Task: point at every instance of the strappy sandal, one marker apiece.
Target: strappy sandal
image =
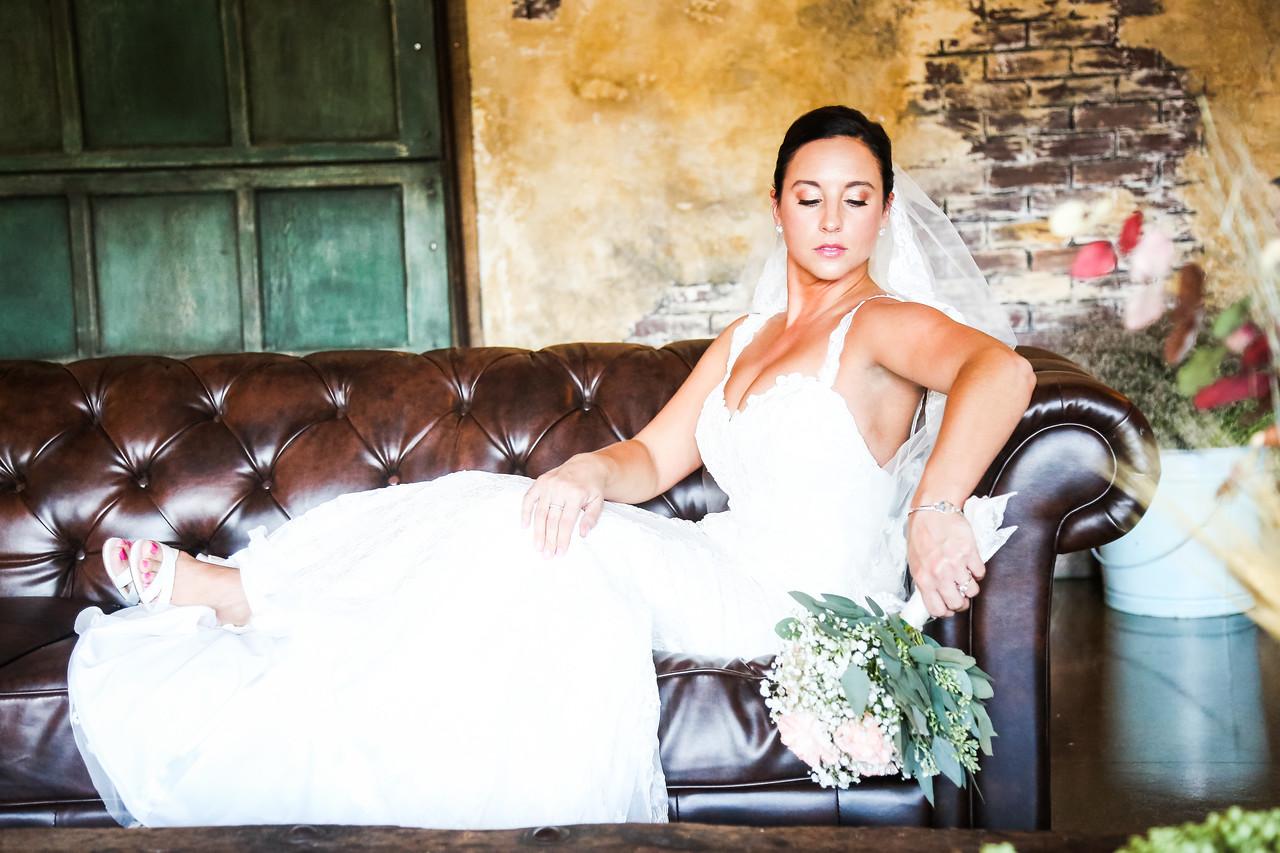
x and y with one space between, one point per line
158 593
121 577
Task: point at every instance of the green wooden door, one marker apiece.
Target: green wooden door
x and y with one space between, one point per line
183 176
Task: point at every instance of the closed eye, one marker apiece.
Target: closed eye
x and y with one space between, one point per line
856 203
810 202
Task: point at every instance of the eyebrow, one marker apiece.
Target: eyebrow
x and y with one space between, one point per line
794 184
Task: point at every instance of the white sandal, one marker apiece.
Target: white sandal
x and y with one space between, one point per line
159 592
123 579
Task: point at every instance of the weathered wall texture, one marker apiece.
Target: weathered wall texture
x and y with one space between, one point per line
623 150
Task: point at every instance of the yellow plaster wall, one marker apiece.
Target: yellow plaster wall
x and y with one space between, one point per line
624 146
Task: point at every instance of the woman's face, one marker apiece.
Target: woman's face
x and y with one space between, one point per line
829 206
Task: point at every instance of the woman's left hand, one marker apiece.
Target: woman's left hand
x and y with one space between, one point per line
943 558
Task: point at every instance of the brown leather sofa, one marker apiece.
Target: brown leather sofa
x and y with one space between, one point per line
197 452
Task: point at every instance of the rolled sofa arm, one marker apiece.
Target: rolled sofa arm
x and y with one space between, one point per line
1078 460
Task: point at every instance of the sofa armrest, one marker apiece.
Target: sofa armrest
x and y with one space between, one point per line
1073 460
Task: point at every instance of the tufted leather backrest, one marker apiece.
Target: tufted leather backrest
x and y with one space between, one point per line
198 452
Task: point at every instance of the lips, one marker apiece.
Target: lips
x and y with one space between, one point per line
831 250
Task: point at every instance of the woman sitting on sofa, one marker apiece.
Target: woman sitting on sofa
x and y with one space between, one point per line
362 663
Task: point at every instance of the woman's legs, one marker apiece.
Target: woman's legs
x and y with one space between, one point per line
197 582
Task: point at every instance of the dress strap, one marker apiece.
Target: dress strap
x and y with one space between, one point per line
742 336
835 346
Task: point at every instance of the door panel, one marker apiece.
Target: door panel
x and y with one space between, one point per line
333 271
37 319
152 73
320 70
167 273
29 118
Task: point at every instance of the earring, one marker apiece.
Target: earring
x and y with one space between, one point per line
779 228
881 232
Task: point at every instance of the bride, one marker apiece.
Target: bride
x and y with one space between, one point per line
382 659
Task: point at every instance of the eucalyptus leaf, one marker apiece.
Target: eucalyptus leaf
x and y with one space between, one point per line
966 686
985 730
923 654
948 762
954 657
1200 369
844 606
787 629
919 720
857 688
981 687
892 666
808 601
1231 319
875 608
926 785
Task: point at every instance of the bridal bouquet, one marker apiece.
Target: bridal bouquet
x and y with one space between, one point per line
856 692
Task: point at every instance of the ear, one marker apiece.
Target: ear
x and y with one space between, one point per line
888 207
773 205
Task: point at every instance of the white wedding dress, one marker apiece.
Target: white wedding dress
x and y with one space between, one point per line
412 660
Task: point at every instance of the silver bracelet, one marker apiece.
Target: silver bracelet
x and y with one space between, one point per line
940 506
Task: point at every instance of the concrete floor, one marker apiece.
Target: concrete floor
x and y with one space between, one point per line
1158 721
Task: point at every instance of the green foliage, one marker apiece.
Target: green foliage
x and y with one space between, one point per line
1232 831
940 691
1133 364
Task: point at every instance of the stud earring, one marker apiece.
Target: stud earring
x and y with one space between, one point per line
779 228
881 232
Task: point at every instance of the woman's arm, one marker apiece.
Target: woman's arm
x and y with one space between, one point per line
988 386
631 471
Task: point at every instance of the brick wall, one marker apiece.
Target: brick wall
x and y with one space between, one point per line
1053 107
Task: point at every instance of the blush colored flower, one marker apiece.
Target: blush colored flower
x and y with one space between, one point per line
802 734
1152 258
863 741
1144 306
1093 260
1069 219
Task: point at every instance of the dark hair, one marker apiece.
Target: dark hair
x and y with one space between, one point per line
829 122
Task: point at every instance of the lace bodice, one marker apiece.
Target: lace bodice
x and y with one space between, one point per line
807 499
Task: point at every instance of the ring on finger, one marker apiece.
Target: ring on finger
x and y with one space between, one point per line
555 506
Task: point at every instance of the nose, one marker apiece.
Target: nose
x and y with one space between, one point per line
830 220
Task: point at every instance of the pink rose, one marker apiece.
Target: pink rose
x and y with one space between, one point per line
864 742
802 734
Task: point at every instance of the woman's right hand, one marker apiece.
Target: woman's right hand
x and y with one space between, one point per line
554 500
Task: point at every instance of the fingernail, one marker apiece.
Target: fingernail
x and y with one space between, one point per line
155 548
124 555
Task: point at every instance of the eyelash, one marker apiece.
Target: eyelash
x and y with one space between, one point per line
812 202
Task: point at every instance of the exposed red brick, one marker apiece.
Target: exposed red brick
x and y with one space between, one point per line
1128 114
1070 31
1028 119
1008 10
985 35
1001 260
1029 174
1181 113
1002 148
979 95
1114 171
940 72
1156 141
1074 145
1053 260
1073 90
1151 83
1019 316
994 206
1093 60
967 122
974 234
1024 64
1137 8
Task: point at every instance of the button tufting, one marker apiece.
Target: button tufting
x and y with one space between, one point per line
266 485
19 486
80 556
393 480
143 482
217 417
